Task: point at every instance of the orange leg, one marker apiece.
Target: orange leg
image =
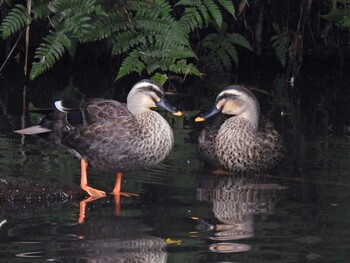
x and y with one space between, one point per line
84 183
118 183
117 193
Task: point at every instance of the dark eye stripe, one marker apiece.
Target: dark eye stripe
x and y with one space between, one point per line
227 96
152 89
159 94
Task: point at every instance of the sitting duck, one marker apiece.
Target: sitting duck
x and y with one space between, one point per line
113 136
238 139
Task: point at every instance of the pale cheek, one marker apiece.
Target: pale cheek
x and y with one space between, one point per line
148 103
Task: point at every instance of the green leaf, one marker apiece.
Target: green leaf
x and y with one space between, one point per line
240 40
49 52
233 54
228 5
160 78
16 19
281 45
214 11
130 63
340 17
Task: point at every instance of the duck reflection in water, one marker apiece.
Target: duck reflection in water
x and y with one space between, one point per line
119 239
112 136
236 200
99 239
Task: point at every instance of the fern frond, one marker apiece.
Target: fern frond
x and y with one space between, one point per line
228 5
123 41
40 11
195 17
340 17
181 67
224 59
82 19
144 29
221 50
71 8
156 27
17 19
134 4
199 12
160 78
234 55
204 14
214 11
189 2
240 40
131 63
232 52
151 59
154 39
191 19
281 45
105 27
49 52
210 41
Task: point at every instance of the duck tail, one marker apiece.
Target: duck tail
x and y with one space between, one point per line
37 129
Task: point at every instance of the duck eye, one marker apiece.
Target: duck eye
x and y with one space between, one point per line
150 88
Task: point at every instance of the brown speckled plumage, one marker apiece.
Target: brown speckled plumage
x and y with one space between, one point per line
239 140
112 136
113 139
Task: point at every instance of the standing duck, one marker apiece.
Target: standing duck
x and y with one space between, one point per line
238 140
113 136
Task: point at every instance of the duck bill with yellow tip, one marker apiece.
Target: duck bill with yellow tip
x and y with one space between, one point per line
163 103
210 113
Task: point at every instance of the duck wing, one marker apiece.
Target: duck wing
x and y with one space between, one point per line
101 111
271 141
108 137
89 111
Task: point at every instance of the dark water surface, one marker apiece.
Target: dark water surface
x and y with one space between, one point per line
184 213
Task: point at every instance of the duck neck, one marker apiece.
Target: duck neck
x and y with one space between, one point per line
142 112
152 123
156 135
252 117
137 106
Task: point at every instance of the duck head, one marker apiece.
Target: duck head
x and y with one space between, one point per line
235 100
146 94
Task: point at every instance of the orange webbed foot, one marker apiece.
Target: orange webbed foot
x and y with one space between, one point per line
84 182
94 192
125 194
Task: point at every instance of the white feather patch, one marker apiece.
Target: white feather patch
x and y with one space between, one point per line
33 130
60 107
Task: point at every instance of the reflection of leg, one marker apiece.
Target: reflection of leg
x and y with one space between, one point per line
117 204
84 182
82 208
